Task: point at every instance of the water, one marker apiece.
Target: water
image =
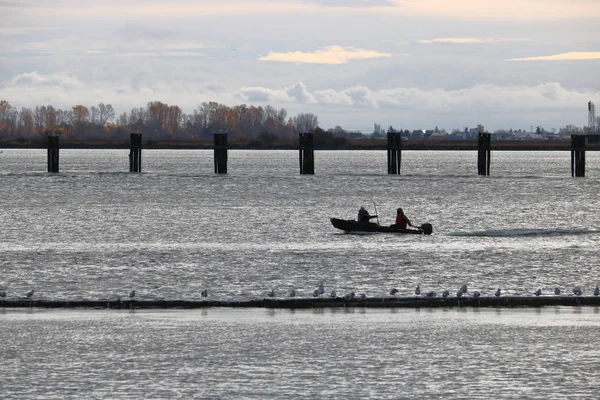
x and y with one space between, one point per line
95 231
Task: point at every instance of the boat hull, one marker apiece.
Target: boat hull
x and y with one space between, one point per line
350 225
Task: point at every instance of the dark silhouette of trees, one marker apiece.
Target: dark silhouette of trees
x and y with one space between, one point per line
157 121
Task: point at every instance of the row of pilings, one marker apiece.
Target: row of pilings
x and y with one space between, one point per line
307 153
315 303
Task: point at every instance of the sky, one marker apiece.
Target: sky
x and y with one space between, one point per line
410 64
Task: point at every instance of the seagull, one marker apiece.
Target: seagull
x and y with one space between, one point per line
476 294
430 294
445 293
463 288
459 294
3 294
393 291
204 293
349 296
320 289
315 293
30 293
333 295
596 292
271 293
292 293
556 291
132 294
362 296
417 290
497 294
538 292
577 291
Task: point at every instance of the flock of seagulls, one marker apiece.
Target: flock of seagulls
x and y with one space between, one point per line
463 291
320 291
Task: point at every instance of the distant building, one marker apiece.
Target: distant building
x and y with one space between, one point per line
417 134
438 136
502 136
528 136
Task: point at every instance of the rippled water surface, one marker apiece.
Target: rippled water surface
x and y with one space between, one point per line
95 231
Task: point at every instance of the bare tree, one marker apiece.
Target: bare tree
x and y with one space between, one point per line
305 122
122 120
281 115
64 117
94 114
106 113
81 113
39 116
26 121
50 118
4 110
138 115
12 120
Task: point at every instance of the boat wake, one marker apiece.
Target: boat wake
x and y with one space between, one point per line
359 233
525 232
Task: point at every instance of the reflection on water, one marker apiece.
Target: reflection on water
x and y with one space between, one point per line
96 232
302 353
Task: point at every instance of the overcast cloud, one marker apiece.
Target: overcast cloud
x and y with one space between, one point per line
407 63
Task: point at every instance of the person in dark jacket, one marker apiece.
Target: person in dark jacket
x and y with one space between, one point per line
402 220
364 216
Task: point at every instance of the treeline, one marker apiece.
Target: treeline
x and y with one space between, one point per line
157 121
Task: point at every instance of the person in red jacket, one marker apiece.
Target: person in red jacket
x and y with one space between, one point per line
402 220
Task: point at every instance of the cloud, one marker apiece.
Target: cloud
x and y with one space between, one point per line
574 55
300 93
505 9
180 9
78 46
295 93
351 3
492 97
466 40
355 107
185 9
329 55
24 30
34 79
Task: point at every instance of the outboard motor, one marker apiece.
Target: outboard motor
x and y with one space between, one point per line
427 228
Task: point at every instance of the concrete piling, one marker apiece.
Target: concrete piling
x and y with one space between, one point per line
53 150
394 152
135 152
578 145
484 153
220 153
307 153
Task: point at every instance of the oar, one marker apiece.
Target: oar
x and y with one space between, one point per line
374 205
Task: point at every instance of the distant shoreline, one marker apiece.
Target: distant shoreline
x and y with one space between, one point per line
369 144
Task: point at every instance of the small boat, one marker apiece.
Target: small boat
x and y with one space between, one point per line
350 225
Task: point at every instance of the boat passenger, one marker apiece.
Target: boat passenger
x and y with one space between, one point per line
364 216
402 220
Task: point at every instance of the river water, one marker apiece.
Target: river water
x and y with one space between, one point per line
94 231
